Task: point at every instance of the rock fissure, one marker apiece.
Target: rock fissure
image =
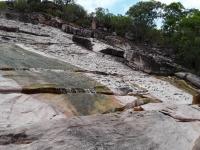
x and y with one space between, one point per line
18 139
178 117
53 90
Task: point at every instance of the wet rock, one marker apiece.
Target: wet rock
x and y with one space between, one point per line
84 42
194 79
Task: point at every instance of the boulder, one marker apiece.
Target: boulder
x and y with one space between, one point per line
194 79
84 42
152 60
76 30
149 63
114 52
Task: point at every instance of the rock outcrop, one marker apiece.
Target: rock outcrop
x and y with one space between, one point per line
113 52
147 59
194 79
126 131
58 83
85 42
76 31
150 61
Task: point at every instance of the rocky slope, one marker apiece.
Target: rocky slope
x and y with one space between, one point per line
48 76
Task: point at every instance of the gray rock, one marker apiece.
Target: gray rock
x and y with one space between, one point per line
194 79
85 42
113 52
197 144
9 29
150 61
136 131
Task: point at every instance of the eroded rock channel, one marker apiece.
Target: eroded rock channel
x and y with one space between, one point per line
57 94
68 92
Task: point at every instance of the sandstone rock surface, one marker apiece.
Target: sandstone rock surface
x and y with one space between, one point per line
47 120
136 131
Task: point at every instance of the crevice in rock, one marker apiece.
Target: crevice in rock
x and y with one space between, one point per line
54 90
20 138
98 72
179 118
78 71
50 43
35 34
113 52
14 69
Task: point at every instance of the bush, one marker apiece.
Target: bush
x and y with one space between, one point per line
3 5
21 5
73 12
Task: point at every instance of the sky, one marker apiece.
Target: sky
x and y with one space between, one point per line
121 6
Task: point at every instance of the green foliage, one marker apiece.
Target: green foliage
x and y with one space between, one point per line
59 2
144 15
21 5
3 5
145 12
103 17
173 13
121 24
114 23
187 39
34 5
74 13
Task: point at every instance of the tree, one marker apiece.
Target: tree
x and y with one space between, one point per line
68 1
34 5
63 2
59 2
187 39
144 15
145 12
120 24
21 5
173 13
103 17
33 1
74 13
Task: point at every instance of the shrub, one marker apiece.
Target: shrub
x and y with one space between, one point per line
21 5
3 5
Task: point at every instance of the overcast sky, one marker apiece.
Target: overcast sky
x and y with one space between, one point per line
121 6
